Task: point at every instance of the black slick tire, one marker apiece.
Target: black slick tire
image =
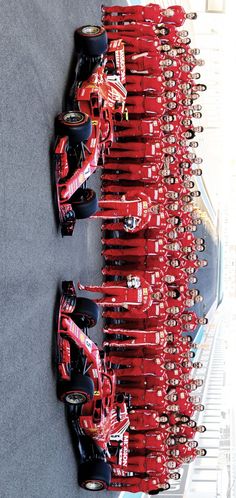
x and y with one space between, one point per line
86 313
91 40
94 475
77 391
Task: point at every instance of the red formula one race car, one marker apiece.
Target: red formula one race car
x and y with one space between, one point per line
87 385
85 130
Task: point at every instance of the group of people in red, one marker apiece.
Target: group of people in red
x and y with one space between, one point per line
150 246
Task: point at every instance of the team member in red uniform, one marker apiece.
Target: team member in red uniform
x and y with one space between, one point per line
175 14
148 441
150 12
146 104
137 247
160 222
191 318
139 366
149 150
187 453
141 44
154 338
145 420
151 464
136 209
153 65
135 292
157 193
134 29
149 127
137 386
147 173
136 83
156 278
114 187
152 317
190 432
189 408
137 484
152 397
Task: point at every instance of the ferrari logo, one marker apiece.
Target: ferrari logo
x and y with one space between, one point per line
94 122
96 393
145 292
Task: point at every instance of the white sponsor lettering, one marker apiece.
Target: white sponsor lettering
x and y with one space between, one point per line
123 456
120 61
140 295
95 373
139 208
157 337
93 143
87 171
88 344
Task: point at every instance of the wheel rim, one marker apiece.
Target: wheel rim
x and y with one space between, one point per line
94 485
90 30
75 398
73 117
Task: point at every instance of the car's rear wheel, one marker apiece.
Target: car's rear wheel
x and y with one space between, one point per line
77 391
74 124
91 40
84 203
86 313
94 475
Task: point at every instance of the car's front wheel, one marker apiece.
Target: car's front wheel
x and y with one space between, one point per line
86 313
94 475
77 391
84 203
74 124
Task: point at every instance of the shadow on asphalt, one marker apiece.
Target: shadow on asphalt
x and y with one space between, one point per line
52 163
66 100
54 353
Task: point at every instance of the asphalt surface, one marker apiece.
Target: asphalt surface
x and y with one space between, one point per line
37 459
